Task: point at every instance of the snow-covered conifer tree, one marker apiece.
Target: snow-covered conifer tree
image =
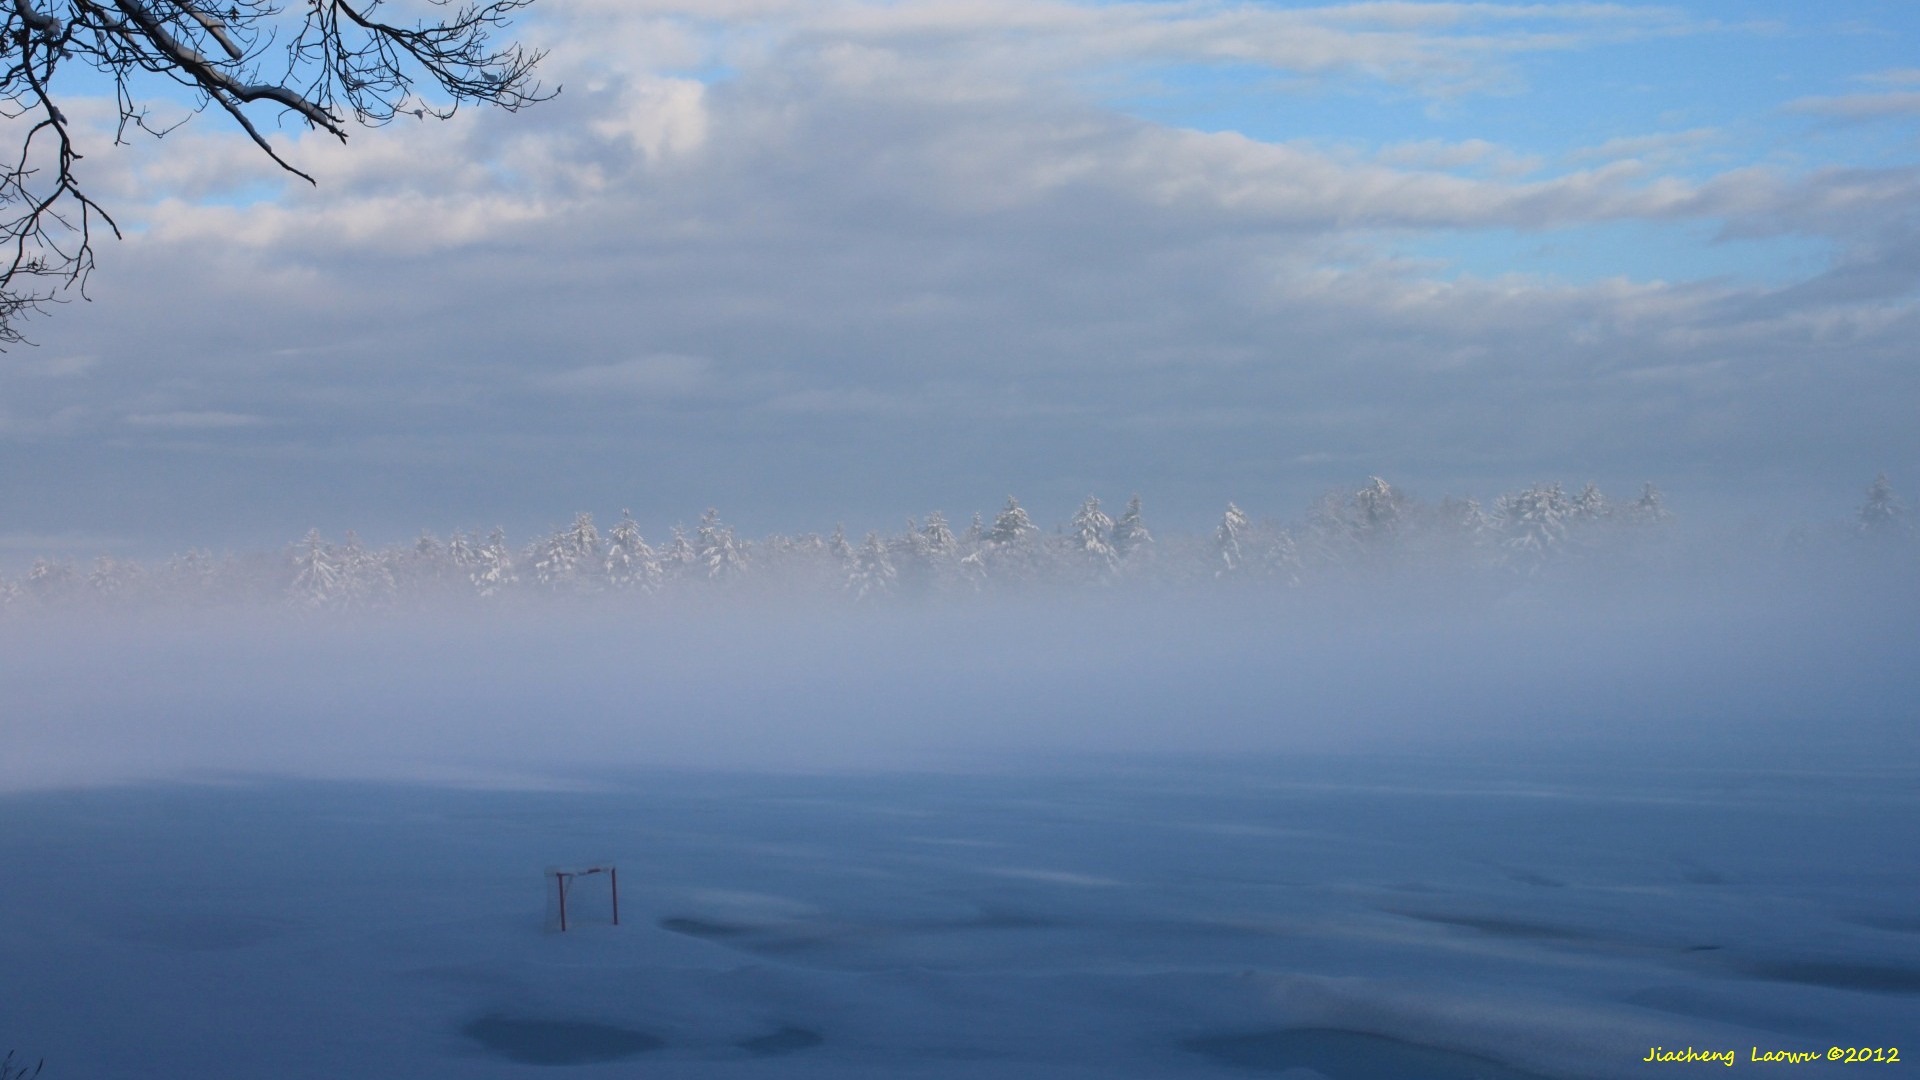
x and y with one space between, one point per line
550 560
975 535
1130 532
104 578
913 544
798 563
1880 514
584 539
718 554
1463 517
630 563
317 577
1459 535
1534 521
677 559
111 577
191 575
494 571
1378 509
570 558
50 580
944 554
1330 536
1010 552
872 573
912 557
1281 559
1226 540
940 539
1012 527
1649 509
367 575
426 566
1589 505
461 552
838 548
971 570
1091 537
427 550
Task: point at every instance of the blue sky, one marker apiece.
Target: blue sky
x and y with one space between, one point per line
846 261
1718 84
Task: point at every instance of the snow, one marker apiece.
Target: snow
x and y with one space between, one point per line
1331 833
1342 916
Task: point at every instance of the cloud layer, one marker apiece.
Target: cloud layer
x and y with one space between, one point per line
849 260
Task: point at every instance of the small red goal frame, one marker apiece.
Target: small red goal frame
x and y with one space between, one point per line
563 882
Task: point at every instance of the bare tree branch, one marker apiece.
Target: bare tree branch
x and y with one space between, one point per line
341 63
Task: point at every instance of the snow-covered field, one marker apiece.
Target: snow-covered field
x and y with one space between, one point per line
1339 835
1353 916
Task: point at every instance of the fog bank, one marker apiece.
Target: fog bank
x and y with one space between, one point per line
1753 669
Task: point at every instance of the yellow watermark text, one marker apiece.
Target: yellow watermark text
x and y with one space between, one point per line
1885 1055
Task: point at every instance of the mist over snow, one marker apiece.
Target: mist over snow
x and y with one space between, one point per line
1362 829
1552 624
996 685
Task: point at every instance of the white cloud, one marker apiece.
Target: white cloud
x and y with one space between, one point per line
660 118
962 102
61 422
854 400
659 375
1438 48
901 241
1894 77
45 543
52 367
1465 154
1663 146
192 420
1861 106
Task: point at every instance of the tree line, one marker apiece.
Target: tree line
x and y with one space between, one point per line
1373 531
